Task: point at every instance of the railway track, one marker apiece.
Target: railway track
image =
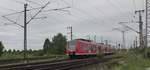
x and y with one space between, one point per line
56 65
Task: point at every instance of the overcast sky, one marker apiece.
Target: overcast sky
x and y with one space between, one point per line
87 17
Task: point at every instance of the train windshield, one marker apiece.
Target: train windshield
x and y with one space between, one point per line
72 45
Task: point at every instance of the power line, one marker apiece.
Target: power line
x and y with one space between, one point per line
126 26
103 14
13 21
33 2
20 2
37 13
134 5
147 30
7 8
71 32
113 5
140 27
123 36
86 13
37 8
140 32
22 11
81 11
118 8
27 22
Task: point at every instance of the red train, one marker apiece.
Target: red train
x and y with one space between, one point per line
80 48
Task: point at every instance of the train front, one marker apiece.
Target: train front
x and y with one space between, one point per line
71 47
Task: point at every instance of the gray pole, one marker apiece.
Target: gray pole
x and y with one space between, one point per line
136 42
101 39
116 45
146 24
123 40
71 33
140 28
25 32
95 38
106 42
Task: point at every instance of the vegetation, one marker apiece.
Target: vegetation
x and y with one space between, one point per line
47 46
1 48
59 43
133 60
53 48
57 46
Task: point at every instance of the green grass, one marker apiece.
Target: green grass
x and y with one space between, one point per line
19 56
132 61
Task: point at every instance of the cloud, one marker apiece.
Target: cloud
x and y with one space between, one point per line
87 17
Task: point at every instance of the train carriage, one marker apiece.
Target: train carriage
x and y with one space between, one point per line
80 48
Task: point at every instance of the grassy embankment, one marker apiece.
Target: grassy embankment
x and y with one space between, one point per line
132 61
32 57
20 56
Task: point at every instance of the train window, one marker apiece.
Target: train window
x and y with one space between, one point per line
93 47
87 47
83 46
72 45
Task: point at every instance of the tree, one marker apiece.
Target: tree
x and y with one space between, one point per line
18 51
9 51
30 51
59 43
14 51
1 48
46 45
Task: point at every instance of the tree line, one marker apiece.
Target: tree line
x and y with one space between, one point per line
54 46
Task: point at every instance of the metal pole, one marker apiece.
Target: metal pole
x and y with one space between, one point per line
123 40
140 28
95 38
25 32
146 31
106 42
101 39
71 33
116 45
136 42
146 24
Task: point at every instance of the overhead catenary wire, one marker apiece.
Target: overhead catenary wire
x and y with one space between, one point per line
103 14
7 9
113 5
134 5
13 22
61 9
122 23
18 17
37 13
20 2
90 15
35 9
33 17
85 13
41 8
33 2
123 36
118 8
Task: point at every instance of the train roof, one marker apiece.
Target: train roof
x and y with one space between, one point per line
85 40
